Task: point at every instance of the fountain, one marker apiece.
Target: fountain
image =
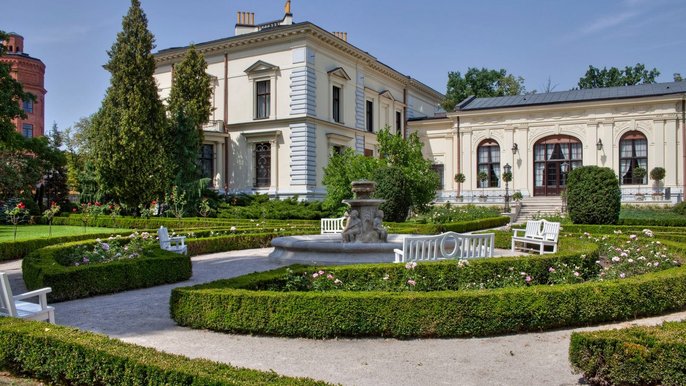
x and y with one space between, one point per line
363 240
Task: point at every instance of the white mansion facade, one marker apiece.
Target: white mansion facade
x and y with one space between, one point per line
287 95
543 136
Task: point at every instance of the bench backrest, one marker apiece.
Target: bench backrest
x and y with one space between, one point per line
7 305
332 225
551 230
449 245
533 229
164 237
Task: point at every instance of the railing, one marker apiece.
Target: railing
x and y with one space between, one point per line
216 126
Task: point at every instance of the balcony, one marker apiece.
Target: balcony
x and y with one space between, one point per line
214 126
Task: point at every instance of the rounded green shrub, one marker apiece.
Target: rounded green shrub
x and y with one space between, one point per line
392 185
593 195
680 208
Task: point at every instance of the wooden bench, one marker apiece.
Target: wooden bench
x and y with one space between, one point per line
449 245
15 306
541 233
332 225
173 244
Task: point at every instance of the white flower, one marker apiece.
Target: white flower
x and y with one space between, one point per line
616 259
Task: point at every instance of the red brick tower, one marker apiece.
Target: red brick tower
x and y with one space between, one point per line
30 72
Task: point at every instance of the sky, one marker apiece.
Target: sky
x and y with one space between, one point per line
539 40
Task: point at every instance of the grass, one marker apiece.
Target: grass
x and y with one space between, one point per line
28 232
648 213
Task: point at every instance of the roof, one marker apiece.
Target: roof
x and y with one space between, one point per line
265 32
583 95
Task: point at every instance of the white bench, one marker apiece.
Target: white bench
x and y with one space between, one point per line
173 244
15 306
332 225
541 233
449 245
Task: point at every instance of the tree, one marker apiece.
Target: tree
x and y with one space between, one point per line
11 94
189 109
613 77
678 77
128 150
481 83
401 164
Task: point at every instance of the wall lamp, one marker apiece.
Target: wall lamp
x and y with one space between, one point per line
515 148
599 144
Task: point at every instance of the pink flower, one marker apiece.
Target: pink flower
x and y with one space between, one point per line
616 259
622 275
329 276
105 246
411 282
315 275
410 265
551 269
321 272
576 273
21 205
528 279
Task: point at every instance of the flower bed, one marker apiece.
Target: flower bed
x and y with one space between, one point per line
65 355
83 269
632 356
446 299
11 250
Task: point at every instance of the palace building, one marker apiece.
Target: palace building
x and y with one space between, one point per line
287 95
30 72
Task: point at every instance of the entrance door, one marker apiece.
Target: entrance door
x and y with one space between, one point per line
551 156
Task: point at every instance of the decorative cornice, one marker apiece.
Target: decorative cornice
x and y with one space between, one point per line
306 30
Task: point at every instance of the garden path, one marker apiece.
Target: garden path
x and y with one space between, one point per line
142 317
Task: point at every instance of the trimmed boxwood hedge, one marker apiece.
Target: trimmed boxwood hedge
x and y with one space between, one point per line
233 306
42 269
183 223
632 356
11 250
65 355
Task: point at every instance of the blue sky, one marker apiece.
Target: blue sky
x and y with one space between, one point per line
535 39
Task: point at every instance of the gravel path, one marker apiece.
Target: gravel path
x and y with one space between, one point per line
142 317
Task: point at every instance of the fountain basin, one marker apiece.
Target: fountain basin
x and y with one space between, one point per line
330 249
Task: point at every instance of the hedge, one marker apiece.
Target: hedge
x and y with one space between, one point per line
65 355
632 356
42 269
234 306
170 222
11 250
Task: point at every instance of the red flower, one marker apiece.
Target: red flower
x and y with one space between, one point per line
153 203
73 210
97 203
21 205
53 203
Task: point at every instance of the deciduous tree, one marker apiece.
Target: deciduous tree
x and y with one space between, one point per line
613 77
481 83
128 149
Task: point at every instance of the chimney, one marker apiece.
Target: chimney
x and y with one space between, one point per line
245 23
245 18
341 35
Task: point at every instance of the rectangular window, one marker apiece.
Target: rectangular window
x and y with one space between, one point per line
368 153
398 122
262 99
336 100
439 170
370 116
27 130
207 161
263 164
337 149
28 106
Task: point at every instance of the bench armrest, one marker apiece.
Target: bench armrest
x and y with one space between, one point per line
177 238
31 294
518 230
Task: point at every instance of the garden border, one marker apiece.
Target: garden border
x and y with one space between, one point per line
68 355
232 306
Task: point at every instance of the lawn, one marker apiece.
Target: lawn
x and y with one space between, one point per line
27 232
649 213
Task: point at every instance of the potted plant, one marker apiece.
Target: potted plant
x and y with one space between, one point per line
638 173
517 196
657 175
483 177
460 179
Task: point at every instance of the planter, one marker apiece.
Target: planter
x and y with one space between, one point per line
459 199
657 197
640 197
483 198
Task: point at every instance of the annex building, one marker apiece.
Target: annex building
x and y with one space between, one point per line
543 136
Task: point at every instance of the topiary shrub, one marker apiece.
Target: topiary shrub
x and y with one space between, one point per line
593 195
393 187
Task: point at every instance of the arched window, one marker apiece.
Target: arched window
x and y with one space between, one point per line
633 153
489 162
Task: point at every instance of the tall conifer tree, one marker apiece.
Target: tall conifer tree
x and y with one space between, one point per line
130 127
189 108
